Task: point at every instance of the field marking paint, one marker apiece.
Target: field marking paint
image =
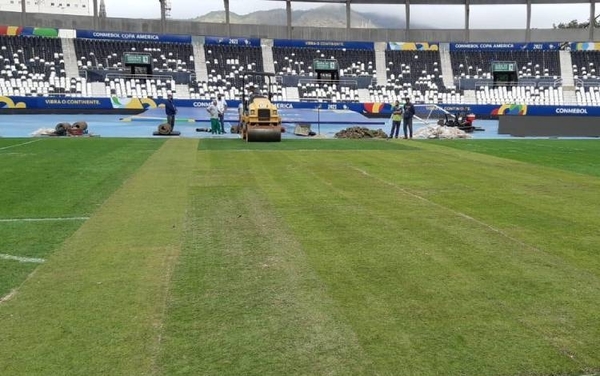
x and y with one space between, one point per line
44 219
8 296
34 260
14 291
21 144
456 212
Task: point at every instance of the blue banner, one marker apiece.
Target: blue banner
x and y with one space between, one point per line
248 42
367 109
357 107
506 46
324 44
69 103
148 37
54 103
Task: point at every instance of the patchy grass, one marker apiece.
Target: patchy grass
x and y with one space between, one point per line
303 144
50 178
98 301
417 259
430 262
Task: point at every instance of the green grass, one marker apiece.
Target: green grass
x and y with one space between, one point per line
98 301
66 177
312 259
572 155
26 239
54 178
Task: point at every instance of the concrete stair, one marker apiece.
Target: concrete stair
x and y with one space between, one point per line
470 97
566 69
98 89
70 57
267 55
292 94
569 97
199 59
446 61
182 91
380 63
364 96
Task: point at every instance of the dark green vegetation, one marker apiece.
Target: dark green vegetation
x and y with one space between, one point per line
419 259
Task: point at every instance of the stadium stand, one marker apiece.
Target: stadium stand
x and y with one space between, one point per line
334 92
520 94
226 65
108 55
356 70
34 66
585 75
170 65
215 86
584 65
415 74
538 73
532 64
140 88
588 95
298 61
399 91
414 67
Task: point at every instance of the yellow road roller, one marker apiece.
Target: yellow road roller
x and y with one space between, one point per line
259 118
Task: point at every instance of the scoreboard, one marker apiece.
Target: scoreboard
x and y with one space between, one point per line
504 66
325 65
136 59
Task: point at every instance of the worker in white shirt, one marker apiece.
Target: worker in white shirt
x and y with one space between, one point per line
222 107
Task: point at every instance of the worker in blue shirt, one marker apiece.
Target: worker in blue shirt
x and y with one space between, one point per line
408 113
170 111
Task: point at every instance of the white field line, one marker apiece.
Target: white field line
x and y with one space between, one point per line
13 292
21 144
44 219
8 297
456 212
22 259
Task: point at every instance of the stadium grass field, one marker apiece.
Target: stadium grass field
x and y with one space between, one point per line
306 257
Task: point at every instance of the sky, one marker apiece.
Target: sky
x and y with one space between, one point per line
482 17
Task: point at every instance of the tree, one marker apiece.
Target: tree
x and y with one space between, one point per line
574 24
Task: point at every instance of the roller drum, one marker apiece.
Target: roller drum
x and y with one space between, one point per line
272 134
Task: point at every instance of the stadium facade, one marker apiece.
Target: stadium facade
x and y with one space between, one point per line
34 18
67 7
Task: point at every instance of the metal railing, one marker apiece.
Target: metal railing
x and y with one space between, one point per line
580 83
339 83
557 82
536 84
111 76
353 84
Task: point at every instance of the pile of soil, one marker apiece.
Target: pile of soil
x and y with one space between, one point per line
360 132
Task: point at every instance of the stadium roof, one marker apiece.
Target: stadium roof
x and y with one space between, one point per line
408 3
437 2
